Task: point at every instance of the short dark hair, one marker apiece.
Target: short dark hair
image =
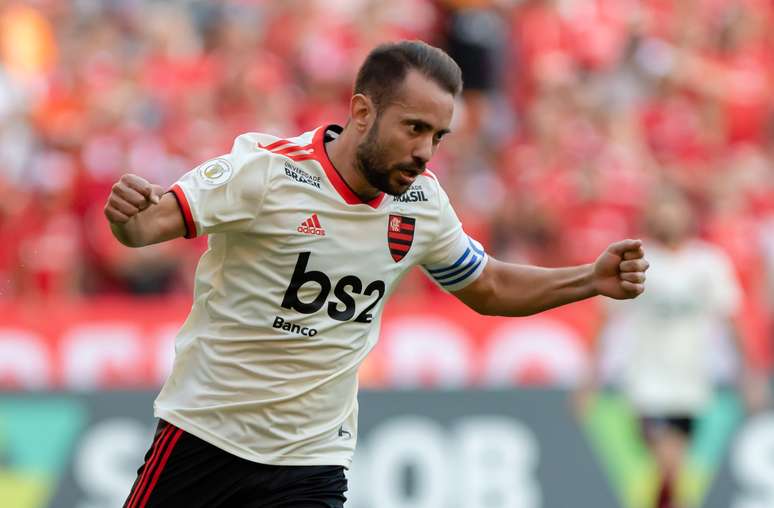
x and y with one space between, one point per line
387 65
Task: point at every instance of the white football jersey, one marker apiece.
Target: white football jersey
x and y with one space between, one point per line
289 295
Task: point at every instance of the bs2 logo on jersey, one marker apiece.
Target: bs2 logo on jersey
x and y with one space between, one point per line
343 306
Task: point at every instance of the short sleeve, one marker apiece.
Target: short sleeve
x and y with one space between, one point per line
224 194
455 259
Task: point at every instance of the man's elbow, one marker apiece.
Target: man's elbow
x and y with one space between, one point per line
483 301
490 302
496 310
485 307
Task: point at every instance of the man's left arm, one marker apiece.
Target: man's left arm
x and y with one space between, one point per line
506 289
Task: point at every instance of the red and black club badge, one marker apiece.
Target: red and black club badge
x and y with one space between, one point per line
400 234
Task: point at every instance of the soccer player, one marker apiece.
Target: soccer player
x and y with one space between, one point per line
308 236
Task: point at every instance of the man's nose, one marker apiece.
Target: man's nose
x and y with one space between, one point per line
423 151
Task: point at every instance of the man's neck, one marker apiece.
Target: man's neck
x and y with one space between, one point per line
342 153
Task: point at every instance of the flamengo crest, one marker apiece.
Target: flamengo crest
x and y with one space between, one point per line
400 234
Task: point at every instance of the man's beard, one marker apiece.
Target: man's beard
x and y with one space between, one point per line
372 162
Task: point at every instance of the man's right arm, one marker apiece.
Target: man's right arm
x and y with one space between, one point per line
140 213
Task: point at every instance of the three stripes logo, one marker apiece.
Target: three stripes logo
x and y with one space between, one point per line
311 226
400 235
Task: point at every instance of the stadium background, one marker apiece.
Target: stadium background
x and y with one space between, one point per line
574 112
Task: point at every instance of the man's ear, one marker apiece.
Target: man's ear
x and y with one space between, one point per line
362 111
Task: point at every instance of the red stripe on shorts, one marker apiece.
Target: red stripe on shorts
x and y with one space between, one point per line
156 446
172 441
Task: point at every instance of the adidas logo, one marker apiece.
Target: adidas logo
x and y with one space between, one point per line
311 226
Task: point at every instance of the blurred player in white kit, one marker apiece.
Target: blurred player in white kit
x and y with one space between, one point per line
664 370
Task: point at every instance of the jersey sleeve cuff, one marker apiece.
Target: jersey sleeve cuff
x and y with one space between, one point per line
462 272
463 282
185 210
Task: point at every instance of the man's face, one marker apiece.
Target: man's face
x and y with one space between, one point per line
671 222
405 134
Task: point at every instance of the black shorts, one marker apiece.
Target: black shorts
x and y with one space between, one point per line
653 425
182 470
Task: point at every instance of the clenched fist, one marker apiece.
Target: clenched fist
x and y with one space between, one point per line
129 196
620 271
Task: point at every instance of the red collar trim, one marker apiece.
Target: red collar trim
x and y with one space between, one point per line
321 156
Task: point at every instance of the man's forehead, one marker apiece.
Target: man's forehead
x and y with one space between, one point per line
422 97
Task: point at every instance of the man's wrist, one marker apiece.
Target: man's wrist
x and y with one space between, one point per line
591 289
123 234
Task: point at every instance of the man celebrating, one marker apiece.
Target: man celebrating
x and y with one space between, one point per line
308 236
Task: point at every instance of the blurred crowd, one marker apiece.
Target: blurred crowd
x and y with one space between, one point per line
576 114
